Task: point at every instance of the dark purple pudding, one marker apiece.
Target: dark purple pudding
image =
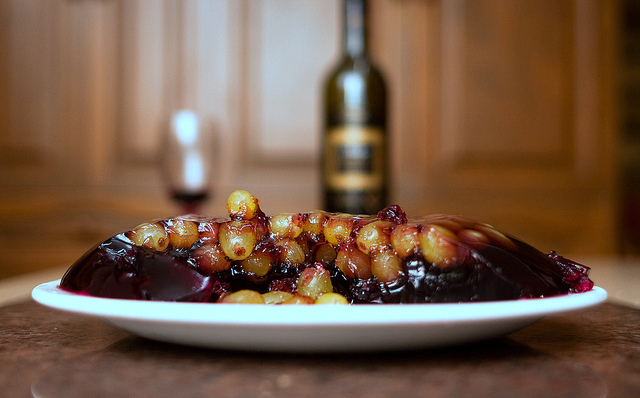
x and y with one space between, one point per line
319 257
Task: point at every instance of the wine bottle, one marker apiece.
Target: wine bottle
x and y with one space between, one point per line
354 158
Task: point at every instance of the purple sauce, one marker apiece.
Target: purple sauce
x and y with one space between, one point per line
119 269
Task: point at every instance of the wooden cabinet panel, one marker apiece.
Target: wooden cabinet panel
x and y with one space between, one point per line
147 75
292 44
27 103
252 69
515 115
507 82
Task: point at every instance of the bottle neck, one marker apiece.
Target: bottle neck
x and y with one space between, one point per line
355 30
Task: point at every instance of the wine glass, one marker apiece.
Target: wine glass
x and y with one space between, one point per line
188 160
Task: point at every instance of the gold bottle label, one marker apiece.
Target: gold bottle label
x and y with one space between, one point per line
354 158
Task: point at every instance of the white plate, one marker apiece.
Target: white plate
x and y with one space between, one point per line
316 328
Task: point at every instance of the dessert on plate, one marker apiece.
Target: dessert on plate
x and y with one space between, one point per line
320 257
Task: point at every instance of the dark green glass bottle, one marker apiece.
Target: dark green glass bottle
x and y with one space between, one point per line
354 147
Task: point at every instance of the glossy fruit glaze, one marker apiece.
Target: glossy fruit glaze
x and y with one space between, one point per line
384 259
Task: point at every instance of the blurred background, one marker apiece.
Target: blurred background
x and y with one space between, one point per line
521 113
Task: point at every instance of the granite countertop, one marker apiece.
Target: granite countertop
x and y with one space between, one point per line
46 353
590 353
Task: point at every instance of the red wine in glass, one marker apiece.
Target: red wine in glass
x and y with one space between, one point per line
188 160
190 202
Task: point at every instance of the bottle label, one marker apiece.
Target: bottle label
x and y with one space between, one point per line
354 158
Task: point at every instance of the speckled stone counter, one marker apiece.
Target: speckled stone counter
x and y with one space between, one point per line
46 353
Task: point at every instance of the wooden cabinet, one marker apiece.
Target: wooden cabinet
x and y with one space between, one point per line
502 111
629 83
505 111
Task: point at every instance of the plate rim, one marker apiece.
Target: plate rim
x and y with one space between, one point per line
51 295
